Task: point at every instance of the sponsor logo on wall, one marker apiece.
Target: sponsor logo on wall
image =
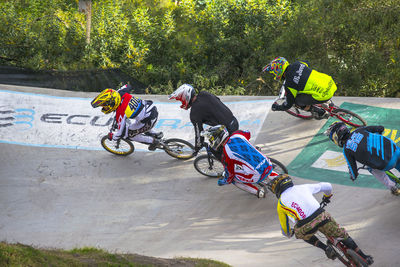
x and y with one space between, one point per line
68 122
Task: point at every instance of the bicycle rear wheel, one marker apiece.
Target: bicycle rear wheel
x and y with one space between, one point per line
179 149
278 166
211 168
299 113
121 147
349 117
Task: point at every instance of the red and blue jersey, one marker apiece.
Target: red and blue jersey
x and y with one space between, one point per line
243 161
130 105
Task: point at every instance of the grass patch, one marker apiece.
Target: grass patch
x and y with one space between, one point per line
24 255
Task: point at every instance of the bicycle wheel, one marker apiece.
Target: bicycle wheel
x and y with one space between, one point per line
122 147
213 168
349 117
340 255
178 148
357 259
299 113
278 166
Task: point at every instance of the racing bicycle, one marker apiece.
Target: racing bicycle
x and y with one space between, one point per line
175 147
208 165
346 116
346 255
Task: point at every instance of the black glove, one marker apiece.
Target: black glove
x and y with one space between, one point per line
326 199
275 107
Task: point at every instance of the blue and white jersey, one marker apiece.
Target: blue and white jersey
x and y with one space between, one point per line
367 146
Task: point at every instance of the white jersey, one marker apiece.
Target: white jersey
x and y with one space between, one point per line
298 203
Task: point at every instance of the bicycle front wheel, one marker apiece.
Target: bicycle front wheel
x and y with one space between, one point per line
121 147
357 259
340 255
349 117
179 149
278 166
210 167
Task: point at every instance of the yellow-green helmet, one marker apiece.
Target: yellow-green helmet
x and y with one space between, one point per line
109 99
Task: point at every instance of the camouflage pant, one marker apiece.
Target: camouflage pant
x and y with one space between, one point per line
331 228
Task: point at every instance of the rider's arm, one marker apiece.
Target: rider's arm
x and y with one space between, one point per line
121 128
289 100
352 164
229 167
198 141
284 220
375 129
326 188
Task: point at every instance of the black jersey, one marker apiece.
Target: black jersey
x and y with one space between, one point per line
208 109
300 79
367 146
296 77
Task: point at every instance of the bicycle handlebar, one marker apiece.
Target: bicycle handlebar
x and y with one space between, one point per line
323 204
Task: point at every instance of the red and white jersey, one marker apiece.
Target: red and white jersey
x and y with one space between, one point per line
243 161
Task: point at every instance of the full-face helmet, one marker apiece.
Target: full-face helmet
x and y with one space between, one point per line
338 133
279 184
216 135
185 94
277 67
109 99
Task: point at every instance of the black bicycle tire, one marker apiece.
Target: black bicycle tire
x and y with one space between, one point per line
294 114
177 156
280 164
340 255
104 139
357 259
200 158
338 110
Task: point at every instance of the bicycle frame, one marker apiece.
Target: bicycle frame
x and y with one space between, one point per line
330 108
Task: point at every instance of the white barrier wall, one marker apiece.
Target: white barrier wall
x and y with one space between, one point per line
69 122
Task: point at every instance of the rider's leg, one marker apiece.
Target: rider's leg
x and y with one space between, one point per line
306 101
333 229
250 188
145 121
142 138
316 242
307 233
155 134
385 179
349 242
138 135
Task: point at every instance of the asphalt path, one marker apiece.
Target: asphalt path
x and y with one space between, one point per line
151 204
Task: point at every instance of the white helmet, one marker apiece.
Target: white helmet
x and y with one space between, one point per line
216 135
185 94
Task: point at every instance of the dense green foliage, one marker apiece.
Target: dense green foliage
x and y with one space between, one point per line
218 45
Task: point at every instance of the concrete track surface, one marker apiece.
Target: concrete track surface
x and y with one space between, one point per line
151 204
